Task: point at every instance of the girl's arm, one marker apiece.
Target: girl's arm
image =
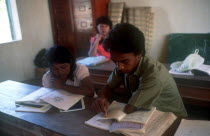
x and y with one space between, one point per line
86 87
94 45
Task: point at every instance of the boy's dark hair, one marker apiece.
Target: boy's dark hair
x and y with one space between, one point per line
103 20
60 54
125 38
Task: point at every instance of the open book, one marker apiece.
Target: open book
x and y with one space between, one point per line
193 128
156 126
93 61
115 111
44 97
116 120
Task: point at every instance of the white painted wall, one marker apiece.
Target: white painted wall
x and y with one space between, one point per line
174 16
171 16
16 59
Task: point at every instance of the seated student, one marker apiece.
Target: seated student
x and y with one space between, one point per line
103 25
145 80
66 74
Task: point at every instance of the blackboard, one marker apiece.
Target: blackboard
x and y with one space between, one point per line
182 44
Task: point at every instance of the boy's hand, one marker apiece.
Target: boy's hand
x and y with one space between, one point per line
100 105
129 108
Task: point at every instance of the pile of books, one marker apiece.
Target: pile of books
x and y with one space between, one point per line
44 99
139 123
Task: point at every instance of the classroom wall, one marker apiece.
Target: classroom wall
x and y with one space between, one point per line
174 16
16 58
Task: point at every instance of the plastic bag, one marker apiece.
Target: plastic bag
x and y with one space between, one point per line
192 61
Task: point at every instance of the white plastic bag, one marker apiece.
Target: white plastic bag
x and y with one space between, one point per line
192 61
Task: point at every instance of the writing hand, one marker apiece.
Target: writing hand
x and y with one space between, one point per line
100 105
129 108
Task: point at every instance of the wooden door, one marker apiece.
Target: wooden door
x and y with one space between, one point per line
99 8
63 24
73 22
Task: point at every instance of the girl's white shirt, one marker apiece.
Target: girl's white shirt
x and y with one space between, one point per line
80 73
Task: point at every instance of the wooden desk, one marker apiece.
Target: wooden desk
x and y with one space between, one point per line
194 90
52 123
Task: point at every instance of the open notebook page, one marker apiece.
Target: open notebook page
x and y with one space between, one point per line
61 99
97 123
193 128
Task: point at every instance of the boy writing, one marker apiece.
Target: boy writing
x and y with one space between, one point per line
146 82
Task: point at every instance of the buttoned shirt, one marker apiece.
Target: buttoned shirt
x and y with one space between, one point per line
150 85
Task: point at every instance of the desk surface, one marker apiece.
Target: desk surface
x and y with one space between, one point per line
52 123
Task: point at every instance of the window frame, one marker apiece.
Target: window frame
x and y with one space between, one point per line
14 23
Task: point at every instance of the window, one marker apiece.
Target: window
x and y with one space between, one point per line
9 22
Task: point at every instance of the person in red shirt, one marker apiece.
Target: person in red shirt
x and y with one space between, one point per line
103 25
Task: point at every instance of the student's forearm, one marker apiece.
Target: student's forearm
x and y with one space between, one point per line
93 49
78 90
94 46
106 92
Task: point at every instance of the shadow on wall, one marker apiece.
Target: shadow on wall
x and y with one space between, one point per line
41 64
162 28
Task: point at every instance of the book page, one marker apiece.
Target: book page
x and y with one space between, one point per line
32 109
157 125
61 99
35 96
127 126
131 133
193 128
115 111
140 116
80 105
98 123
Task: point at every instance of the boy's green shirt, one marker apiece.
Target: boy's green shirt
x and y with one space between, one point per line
150 85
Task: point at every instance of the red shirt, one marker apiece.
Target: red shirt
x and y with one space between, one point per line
100 50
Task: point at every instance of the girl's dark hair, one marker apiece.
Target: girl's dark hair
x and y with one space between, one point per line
103 20
60 54
125 38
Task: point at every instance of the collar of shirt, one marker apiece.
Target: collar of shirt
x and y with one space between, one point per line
131 81
139 69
